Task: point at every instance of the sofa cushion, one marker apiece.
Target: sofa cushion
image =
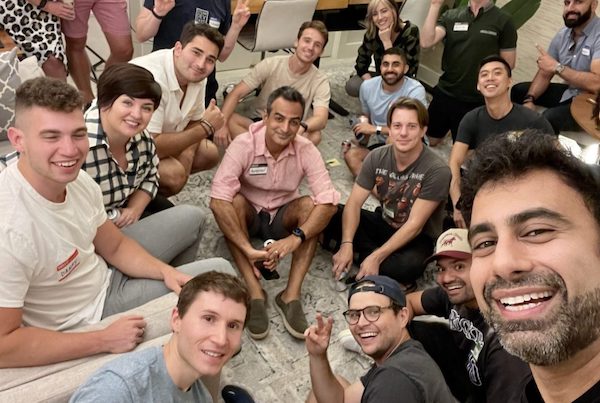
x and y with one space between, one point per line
52 380
9 82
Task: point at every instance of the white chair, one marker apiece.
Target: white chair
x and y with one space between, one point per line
277 25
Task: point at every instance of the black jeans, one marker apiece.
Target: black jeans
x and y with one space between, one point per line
558 113
405 265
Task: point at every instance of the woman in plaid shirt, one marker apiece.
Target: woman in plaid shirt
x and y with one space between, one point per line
122 158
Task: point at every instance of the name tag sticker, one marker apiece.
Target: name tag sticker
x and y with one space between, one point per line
258 169
461 26
585 51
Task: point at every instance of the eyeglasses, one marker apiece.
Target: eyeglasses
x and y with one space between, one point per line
371 313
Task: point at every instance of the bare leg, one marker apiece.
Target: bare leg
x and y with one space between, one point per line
354 158
206 157
315 137
121 48
244 213
295 215
79 66
174 172
238 124
55 68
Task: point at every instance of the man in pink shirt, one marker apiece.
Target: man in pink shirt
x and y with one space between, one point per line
255 193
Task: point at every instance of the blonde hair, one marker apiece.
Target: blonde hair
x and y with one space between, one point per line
371 27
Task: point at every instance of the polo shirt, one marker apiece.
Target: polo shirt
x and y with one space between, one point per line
176 108
469 38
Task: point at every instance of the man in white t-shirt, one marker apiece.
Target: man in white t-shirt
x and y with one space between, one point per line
64 264
296 71
181 126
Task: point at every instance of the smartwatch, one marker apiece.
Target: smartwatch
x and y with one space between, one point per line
378 130
299 233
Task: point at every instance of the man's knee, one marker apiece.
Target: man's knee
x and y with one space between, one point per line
55 68
314 137
172 180
121 50
433 141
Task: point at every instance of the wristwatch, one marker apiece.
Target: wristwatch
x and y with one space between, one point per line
304 125
559 68
299 233
378 130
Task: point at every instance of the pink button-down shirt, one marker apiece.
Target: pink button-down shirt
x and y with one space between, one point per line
249 169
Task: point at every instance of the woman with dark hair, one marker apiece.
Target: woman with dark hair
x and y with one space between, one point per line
385 29
122 158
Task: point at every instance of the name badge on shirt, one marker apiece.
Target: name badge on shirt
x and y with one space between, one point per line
461 26
201 16
258 169
213 22
585 51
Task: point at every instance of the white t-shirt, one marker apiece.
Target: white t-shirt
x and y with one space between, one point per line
172 115
48 264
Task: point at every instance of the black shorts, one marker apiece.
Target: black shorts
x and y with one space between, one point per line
445 113
262 226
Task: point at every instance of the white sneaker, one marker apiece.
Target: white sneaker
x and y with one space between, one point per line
348 342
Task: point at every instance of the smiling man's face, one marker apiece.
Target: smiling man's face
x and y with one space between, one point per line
535 269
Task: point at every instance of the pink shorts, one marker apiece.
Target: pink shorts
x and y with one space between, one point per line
111 15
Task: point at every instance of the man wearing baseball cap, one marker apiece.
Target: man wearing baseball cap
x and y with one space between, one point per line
377 317
476 366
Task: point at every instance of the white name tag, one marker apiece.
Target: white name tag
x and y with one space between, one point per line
585 51
461 26
258 169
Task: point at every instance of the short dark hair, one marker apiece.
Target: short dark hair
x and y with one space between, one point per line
289 94
191 30
514 154
127 79
225 284
317 25
48 93
397 52
496 58
410 104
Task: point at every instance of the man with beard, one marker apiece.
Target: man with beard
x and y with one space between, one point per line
376 96
377 317
498 115
474 363
534 214
574 56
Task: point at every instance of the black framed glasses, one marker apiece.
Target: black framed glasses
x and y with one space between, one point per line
371 313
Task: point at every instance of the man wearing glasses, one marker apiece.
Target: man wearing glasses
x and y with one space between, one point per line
377 317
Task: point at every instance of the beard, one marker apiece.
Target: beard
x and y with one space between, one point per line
392 79
580 20
571 327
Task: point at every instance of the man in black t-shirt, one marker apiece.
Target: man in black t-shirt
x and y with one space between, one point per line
377 317
493 374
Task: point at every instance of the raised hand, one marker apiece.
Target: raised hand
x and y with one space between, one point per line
241 14
162 7
317 336
214 115
61 10
545 62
